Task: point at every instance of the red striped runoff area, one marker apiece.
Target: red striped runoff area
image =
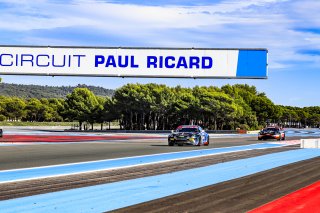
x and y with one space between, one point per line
305 200
68 138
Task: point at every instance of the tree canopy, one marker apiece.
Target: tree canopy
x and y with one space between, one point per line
159 107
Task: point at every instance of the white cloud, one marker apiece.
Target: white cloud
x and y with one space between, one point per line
231 23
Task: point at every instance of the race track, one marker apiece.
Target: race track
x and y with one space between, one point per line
140 173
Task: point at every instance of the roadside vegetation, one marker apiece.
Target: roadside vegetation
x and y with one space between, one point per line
25 123
158 107
37 91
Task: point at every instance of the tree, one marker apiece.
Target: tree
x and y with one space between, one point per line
183 110
2 104
98 112
80 104
57 106
218 108
14 108
110 112
264 108
126 105
163 97
33 108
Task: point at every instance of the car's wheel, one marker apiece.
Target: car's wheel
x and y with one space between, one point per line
259 139
180 144
280 137
207 143
170 143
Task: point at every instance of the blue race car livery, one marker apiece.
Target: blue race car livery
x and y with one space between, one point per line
188 135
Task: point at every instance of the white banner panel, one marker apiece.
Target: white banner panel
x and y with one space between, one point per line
133 62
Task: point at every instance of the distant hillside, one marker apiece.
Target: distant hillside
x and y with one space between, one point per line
37 91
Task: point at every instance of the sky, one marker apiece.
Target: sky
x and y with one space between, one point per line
289 29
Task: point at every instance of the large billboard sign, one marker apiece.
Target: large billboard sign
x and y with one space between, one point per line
133 62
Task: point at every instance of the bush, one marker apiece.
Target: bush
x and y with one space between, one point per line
2 118
244 126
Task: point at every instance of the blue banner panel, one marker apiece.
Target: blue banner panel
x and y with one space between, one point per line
252 64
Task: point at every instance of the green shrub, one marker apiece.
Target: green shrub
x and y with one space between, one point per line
2 118
244 127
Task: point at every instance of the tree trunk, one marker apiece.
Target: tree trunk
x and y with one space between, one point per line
163 122
80 125
136 117
215 124
149 121
131 117
142 121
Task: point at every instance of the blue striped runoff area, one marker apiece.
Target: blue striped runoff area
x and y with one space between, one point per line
77 168
106 197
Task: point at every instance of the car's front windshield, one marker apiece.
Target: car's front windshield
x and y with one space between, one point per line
270 130
187 130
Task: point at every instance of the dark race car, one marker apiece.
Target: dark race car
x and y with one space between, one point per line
189 135
271 133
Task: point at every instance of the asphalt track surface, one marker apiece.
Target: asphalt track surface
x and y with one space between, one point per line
31 187
24 156
238 195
